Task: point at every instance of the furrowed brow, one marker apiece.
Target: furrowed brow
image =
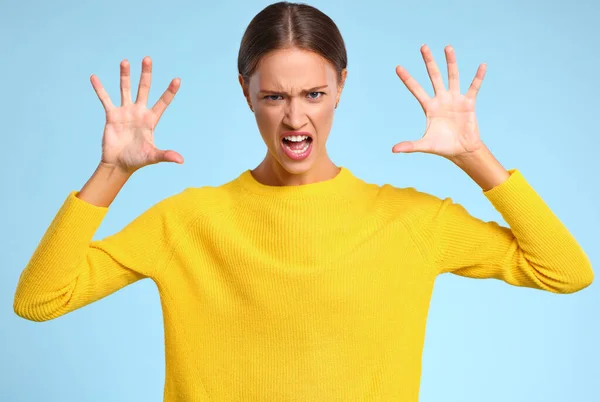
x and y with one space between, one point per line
284 93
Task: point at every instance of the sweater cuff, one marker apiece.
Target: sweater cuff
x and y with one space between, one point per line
516 197
78 215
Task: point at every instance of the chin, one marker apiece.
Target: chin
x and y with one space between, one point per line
297 167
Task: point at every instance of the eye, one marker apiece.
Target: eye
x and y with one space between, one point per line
311 95
315 93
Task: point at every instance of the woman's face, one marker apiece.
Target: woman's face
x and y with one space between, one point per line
293 94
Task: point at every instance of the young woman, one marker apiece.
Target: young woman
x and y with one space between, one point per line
296 281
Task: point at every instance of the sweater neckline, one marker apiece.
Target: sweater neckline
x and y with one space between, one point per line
340 184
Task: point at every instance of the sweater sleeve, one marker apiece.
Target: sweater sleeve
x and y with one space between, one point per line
69 270
535 251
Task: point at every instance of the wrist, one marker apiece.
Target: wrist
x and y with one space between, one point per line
483 168
112 172
476 156
104 185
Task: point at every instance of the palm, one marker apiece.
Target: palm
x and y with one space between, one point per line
451 124
128 136
451 127
128 140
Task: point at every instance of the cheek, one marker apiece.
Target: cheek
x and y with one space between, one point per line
326 113
265 118
268 122
322 118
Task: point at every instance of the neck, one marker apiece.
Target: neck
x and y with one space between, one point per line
270 172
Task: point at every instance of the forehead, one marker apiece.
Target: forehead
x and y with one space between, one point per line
292 70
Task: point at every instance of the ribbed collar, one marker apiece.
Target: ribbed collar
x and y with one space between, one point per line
342 185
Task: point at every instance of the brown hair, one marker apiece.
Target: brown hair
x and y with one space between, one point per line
285 25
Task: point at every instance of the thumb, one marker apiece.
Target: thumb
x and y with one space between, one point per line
405 147
410 147
167 156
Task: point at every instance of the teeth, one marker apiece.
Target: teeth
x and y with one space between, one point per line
296 138
299 151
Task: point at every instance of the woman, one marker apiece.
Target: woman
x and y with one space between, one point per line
296 281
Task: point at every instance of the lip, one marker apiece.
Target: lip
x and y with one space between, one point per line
283 135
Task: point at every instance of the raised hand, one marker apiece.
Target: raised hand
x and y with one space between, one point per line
128 139
451 129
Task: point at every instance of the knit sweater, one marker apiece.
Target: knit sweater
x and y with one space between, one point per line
317 292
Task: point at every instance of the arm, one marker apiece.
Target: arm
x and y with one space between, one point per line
69 270
535 251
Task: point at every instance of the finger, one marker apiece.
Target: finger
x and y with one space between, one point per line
412 85
166 98
101 92
453 78
166 156
125 83
476 83
145 80
404 147
434 72
411 146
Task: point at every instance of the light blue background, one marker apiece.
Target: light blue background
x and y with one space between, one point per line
537 109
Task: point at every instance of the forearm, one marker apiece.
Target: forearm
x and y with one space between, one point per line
48 281
47 284
483 168
103 186
536 250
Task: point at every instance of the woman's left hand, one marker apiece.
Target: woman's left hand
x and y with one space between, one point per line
452 130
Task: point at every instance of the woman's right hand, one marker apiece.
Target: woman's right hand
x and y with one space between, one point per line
128 140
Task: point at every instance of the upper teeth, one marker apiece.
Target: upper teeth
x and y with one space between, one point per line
296 138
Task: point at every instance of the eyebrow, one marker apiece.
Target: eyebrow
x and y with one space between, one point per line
284 93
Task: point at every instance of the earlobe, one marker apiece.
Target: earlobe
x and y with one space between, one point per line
343 79
245 91
243 85
341 86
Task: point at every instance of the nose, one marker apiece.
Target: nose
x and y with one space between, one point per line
294 115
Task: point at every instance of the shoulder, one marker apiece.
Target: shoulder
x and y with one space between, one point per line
408 200
208 201
192 202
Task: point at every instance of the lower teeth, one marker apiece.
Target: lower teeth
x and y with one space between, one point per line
299 151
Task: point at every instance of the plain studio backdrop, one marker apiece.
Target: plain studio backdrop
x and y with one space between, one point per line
537 110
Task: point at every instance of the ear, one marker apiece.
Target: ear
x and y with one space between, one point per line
344 74
245 91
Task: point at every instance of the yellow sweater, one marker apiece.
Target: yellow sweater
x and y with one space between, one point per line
317 292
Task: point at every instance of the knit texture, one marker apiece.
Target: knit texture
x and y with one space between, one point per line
318 292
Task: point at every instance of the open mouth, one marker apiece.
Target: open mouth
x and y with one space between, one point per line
297 147
297 143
